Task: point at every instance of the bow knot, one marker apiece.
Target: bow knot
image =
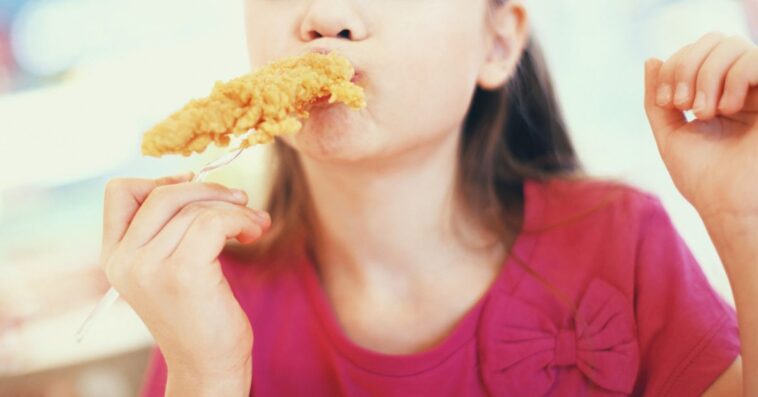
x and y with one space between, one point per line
524 353
565 348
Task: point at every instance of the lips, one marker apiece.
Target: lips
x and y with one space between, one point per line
356 79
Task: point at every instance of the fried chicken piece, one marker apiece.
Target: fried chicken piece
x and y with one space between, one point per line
271 101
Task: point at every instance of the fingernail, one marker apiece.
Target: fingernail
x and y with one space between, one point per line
184 175
664 95
682 93
239 194
699 104
263 215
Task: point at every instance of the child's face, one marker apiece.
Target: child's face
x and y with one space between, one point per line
419 62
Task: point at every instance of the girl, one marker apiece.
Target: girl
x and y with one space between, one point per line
443 241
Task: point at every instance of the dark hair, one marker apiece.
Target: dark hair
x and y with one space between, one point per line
511 134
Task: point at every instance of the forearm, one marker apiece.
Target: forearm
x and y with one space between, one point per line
191 383
736 240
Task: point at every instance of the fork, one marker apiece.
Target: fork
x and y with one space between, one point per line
111 296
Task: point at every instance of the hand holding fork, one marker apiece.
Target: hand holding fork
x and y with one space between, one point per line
145 201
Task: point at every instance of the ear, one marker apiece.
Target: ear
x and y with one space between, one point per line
507 36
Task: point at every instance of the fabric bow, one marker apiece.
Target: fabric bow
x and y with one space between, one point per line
523 353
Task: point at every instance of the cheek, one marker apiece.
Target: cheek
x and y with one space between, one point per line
429 85
423 107
337 133
268 33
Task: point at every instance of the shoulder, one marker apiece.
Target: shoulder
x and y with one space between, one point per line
588 229
584 202
607 273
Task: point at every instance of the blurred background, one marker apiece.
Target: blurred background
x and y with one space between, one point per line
80 80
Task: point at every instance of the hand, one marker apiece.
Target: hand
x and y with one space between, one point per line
161 240
713 159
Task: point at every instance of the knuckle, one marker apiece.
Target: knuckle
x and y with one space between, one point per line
706 77
217 189
115 186
211 220
193 208
713 36
160 192
683 69
666 70
684 51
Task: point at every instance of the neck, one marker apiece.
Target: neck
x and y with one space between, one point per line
398 218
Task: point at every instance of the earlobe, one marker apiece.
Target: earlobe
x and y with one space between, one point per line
498 51
497 68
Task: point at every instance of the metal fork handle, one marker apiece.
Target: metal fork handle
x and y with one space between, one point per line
111 296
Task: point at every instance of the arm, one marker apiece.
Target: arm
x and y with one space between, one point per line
713 162
235 382
736 240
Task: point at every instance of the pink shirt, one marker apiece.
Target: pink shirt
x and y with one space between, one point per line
610 303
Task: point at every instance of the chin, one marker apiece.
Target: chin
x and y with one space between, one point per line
333 133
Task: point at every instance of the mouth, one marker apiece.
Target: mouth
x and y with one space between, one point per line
356 77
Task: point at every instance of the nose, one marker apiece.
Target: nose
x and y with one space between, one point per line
332 18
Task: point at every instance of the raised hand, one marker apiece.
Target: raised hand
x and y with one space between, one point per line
712 159
161 241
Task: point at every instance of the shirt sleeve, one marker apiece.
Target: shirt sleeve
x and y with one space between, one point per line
688 334
154 384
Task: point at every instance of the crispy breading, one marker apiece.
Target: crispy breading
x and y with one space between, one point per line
271 101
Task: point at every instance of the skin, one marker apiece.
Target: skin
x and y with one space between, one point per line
384 261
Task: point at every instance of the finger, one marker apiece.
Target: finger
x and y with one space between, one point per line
166 201
167 240
123 197
664 93
711 76
685 71
741 77
206 236
662 120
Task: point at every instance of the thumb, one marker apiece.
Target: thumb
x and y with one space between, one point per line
662 120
